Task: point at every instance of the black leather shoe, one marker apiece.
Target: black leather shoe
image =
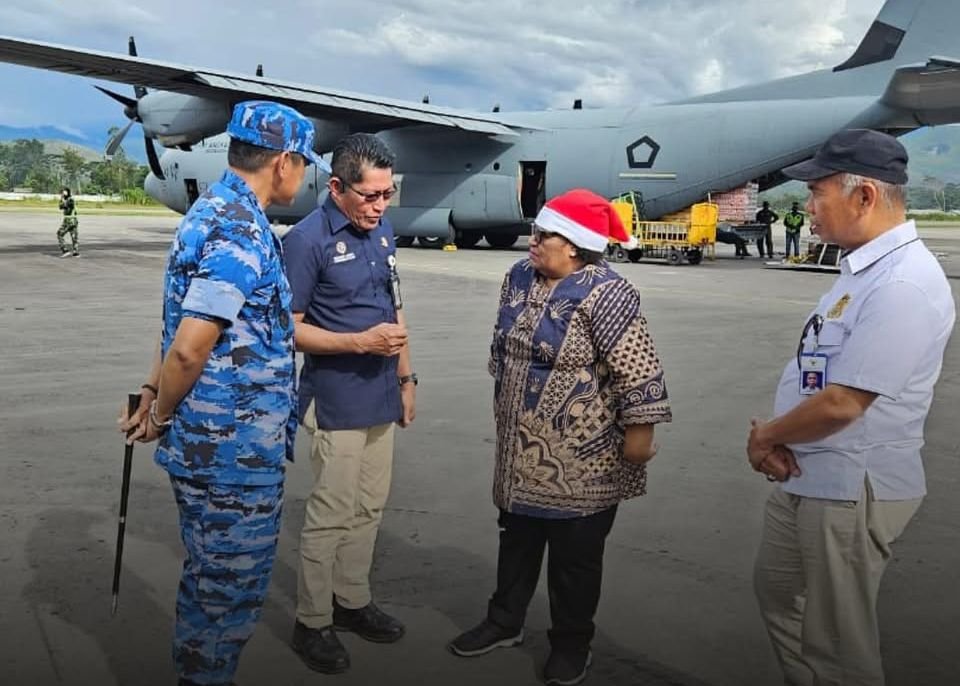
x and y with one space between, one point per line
370 623
320 649
567 667
483 638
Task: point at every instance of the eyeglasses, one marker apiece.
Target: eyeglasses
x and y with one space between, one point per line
815 323
541 235
372 197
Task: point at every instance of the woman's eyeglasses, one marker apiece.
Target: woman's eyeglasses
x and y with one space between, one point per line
540 235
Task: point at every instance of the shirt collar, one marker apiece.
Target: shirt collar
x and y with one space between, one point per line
869 254
232 180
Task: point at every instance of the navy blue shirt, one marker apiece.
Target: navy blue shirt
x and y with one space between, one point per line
340 278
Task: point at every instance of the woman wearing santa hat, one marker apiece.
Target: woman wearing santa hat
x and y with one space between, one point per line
578 388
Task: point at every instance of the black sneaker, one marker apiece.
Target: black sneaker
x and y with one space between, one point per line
483 638
567 667
370 623
320 649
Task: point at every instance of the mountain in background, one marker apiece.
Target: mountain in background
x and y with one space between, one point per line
934 152
92 138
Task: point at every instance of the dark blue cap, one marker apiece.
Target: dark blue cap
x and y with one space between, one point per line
275 127
863 152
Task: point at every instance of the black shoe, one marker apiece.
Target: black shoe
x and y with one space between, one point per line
483 638
567 667
370 623
320 649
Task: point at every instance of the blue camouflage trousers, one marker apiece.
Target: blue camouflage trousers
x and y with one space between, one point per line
230 535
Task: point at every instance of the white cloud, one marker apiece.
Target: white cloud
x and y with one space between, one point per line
467 53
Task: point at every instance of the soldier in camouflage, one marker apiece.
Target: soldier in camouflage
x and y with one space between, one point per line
221 395
68 225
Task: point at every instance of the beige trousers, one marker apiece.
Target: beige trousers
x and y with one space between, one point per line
817 577
352 470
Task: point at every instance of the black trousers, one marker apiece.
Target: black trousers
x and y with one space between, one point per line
574 573
768 239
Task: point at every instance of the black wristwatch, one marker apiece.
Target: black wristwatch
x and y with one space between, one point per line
408 378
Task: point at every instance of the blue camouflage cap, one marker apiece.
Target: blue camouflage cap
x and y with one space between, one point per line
275 127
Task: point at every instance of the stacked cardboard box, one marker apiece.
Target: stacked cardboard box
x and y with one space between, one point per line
738 205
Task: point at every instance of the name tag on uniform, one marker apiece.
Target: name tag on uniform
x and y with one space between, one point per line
813 373
337 259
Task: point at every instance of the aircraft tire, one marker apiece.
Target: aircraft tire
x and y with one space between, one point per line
694 256
501 240
403 241
430 242
674 257
468 239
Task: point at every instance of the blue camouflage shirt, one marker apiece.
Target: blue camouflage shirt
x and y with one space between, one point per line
238 421
340 277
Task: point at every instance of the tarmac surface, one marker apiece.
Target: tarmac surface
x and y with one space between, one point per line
677 607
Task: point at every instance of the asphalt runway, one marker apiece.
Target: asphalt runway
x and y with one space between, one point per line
677 607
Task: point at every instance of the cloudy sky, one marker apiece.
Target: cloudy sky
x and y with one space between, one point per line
466 53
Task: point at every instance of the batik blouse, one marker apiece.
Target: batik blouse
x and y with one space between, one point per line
573 365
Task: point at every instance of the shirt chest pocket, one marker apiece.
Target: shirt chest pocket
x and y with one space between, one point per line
831 337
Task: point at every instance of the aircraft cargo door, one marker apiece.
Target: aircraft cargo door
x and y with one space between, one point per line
192 190
533 188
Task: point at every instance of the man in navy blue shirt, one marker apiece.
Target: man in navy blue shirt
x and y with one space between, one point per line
356 383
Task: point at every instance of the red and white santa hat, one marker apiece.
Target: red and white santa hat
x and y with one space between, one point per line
584 218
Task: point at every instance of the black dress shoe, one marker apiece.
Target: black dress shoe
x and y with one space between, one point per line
320 649
370 623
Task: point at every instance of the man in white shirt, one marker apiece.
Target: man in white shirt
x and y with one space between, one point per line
848 456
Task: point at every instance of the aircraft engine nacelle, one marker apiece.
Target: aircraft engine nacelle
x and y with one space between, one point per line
177 119
328 134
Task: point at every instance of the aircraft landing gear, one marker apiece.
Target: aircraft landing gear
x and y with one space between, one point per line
468 239
403 241
430 242
501 240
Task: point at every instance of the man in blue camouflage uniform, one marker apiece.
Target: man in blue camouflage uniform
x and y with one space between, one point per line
221 396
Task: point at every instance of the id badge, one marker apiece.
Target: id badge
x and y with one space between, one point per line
394 283
813 373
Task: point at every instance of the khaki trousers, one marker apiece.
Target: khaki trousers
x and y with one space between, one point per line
817 577
352 470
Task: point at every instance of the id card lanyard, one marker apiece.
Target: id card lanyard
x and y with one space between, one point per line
811 365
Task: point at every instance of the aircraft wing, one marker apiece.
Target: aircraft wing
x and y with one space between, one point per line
362 112
931 89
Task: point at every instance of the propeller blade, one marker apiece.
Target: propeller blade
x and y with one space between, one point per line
116 139
122 99
139 91
152 158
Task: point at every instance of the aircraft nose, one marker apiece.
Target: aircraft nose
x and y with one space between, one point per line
153 188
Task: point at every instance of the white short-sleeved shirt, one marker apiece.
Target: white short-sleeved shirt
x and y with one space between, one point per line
886 322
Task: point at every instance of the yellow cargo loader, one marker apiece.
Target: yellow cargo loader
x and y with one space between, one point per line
678 239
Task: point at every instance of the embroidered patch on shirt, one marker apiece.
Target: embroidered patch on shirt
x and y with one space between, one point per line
837 310
341 247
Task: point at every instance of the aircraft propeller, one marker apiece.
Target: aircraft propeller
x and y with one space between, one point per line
130 106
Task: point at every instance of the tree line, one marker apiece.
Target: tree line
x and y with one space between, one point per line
26 164
930 194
